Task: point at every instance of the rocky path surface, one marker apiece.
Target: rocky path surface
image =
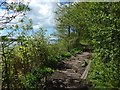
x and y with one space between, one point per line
69 73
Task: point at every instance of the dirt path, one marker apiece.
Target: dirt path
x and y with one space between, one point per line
69 73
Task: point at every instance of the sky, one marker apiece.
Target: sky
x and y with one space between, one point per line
42 13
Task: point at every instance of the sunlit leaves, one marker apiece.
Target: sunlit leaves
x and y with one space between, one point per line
20 7
105 40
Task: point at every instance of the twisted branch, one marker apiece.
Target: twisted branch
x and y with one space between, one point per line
11 11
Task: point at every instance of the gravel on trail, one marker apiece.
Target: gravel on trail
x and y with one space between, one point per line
68 74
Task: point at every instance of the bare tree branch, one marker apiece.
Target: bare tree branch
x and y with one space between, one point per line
11 11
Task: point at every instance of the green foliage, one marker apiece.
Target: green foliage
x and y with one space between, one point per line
104 75
34 79
72 24
28 52
75 51
105 38
18 7
30 59
66 55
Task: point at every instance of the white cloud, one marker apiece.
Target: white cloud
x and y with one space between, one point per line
42 13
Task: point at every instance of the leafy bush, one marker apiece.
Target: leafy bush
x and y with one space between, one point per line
105 70
66 55
75 51
36 78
